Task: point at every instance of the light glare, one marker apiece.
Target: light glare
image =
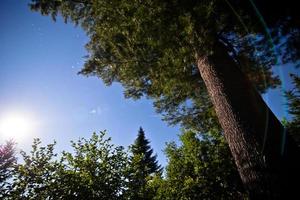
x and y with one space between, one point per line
16 126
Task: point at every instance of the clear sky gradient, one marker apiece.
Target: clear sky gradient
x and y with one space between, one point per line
39 61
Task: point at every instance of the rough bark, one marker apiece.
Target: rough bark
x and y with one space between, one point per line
265 156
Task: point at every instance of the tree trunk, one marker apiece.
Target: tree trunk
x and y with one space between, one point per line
265 156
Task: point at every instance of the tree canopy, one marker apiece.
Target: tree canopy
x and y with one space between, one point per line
200 168
35 178
95 169
150 47
158 49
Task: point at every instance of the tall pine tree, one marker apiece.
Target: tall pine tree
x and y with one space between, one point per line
143 167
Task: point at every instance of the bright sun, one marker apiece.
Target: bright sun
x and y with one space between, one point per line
16 125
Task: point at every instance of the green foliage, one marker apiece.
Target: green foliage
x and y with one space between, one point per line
151 48
201 168
143 168
293 97
96 170
141 147
35 178
7 164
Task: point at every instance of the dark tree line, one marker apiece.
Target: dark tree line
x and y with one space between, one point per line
293 97
97 169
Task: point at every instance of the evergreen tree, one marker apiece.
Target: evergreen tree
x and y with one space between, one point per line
8 161
293 97
182 53
143 167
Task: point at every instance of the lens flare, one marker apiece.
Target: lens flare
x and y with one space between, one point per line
16 126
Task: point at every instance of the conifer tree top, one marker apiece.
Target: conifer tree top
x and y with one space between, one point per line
141 147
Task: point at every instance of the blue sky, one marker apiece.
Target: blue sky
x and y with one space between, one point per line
39 61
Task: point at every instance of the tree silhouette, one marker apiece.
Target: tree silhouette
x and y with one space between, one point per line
7 163
293 97
143 167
